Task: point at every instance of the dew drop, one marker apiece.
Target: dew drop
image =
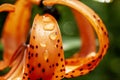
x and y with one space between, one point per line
49 26
46 19
53 36
42 44
92 54
46 54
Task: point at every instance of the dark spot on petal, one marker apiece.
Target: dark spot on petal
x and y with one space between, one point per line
94 16
100 57
58 40
93 60
28 57
66 74
63 65
61 59
89 65
34 28
105 33
53 74
43 70
73 71
102 28
61 70
59 54
28 65
56 76
36 46
57 45
52 65
105 46
90 68
81 73
33 37
57 64
28 78
47 60
31 54
62 76
39 65
25 74
36 55
98 20
102 50
61 47
30 72
31 46
81 69
23 77
90 71
71 76
32 69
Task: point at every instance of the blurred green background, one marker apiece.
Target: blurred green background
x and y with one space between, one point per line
109 67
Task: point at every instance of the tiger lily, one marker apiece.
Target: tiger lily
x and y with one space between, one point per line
43 58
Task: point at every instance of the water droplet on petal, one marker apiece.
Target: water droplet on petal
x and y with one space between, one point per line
49 26
46 19
42 44
53 36
46 54
92 54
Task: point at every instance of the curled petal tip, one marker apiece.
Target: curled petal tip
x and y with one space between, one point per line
7 7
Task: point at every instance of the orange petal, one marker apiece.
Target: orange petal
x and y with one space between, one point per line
15 29
7 7
80 66
45 58
87 35
16 65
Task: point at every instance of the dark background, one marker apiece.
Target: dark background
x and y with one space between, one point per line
109 67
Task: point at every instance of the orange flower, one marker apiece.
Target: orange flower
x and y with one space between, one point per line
43 57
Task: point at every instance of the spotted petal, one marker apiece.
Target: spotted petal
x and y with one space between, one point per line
45 59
